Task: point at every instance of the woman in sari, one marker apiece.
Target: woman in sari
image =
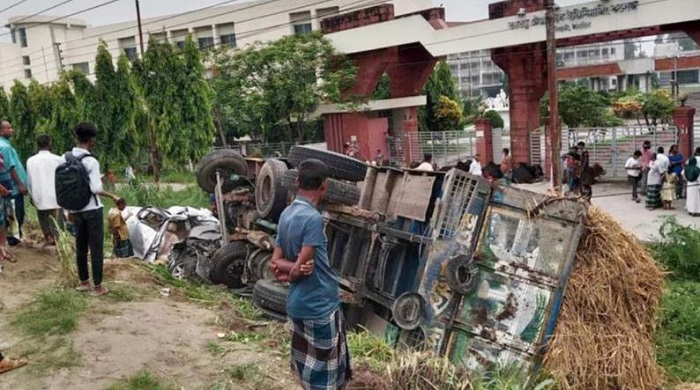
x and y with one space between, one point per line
692 177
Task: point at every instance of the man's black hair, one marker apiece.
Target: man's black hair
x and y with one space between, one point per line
697 151
121 202
637 153
647 142
660 150
85 132
506 151
582 144
43 141
312 174
428 157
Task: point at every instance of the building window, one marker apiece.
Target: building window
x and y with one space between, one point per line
688 77
26 60
131 53
180 45
83 67
227 34
612 51
23 37
326 12
205 42
301 22
158 37
606 52
13 32
27 73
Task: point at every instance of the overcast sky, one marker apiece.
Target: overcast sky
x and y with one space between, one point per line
123 10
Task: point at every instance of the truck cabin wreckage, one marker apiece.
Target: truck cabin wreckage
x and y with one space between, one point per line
443 261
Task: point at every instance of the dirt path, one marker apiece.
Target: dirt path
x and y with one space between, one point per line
136 330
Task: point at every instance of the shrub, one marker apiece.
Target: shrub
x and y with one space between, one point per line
679 249
495 119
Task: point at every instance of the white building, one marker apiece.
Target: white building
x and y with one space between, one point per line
42 46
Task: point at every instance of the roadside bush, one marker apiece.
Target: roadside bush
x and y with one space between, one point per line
679 250
495 118
678 338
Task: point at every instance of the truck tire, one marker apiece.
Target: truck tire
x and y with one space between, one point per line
338 192
271 295
341 167
229 265
227 161
461 274
270 195
289 180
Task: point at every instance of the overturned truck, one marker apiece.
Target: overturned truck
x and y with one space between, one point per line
443 261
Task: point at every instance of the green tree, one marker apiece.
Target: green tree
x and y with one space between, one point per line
4 104
580 106
22 116
158 82
657 106
448 114
495 119
196 105
439 84
277 86
383 90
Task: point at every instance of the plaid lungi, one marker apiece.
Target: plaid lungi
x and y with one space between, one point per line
123 249
653 196
320 356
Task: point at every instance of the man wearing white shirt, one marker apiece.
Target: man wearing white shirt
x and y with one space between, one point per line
475 167
427 164
41 170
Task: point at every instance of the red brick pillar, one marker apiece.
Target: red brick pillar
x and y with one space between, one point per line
526 68
683 118
409 127
484 140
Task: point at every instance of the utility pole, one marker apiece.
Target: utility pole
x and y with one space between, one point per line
138 19
554 131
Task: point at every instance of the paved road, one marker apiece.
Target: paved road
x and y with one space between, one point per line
615 198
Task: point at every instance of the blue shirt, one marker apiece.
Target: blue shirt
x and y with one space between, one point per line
315 296
678 160
11 161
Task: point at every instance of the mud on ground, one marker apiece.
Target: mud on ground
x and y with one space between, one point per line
139 328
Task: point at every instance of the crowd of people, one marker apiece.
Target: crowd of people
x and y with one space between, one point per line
64 190
662 178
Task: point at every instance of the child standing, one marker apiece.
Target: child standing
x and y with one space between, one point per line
668 191
120 232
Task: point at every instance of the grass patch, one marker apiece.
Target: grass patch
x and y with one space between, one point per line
678 337
54 312
244 372
678 250
215 349
144 380
119 292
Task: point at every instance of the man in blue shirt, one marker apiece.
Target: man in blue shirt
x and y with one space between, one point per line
13 176
319 355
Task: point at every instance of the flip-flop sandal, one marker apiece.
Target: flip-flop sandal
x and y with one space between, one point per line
10 364
100 292
83 287
8 256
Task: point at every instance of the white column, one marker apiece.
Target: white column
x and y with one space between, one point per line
215 34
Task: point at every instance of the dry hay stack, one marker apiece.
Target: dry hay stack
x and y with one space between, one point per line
605 333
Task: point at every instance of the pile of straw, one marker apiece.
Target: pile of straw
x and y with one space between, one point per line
605 334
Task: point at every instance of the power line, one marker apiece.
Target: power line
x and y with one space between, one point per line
39 13
12 6
62 17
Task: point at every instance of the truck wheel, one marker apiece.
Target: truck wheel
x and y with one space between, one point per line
461 274
229 265
342 167
270 295
227 161
338 192
408 311
289 179
270 195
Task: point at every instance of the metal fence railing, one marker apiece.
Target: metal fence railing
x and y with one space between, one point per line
447 147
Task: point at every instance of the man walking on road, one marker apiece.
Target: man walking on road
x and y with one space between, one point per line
41 180
18 175
72 181
319 355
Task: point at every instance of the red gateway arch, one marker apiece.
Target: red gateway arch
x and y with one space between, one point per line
408 47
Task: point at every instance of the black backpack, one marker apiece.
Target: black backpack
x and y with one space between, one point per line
73 183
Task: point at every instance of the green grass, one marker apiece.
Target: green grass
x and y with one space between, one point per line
144 380
54 312
678 335
244 372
